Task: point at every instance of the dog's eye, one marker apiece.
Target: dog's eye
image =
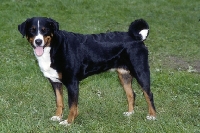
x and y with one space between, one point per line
32 30
44 30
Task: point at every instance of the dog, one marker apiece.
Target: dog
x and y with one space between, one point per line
67 58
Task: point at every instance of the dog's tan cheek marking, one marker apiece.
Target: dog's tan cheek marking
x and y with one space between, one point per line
47 40
30 39
59 102
126 81
73 113
151 110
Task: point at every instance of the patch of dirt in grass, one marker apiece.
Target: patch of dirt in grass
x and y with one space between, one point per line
181 64
197 66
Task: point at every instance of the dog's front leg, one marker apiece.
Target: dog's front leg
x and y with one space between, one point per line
73 92
57 87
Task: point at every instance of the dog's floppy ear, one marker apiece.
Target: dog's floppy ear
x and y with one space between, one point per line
54 25
22 27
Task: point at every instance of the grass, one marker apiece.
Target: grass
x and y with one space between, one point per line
27 101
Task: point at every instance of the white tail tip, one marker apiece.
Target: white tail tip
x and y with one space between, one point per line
144 34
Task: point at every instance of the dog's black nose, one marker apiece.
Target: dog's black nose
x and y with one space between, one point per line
38 42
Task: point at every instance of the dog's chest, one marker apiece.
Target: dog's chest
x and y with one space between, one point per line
44 62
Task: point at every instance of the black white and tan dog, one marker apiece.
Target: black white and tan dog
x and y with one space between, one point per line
67 58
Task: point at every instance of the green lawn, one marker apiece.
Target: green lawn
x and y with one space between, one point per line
27 100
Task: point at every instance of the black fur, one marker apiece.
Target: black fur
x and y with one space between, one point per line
78 56
83 55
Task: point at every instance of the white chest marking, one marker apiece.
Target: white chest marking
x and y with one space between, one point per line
44 62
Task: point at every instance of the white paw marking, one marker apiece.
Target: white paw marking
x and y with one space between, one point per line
56 118
128 113
64 123
149 117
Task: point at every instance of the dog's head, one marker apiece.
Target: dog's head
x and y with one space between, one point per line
39 31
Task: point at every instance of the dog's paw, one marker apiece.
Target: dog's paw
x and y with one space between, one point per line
150 117
128 113
65 123
56 118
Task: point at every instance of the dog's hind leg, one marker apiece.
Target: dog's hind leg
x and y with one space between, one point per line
149 98
142 74
57 87
126 81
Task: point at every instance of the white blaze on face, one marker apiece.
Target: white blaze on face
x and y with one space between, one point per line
39 50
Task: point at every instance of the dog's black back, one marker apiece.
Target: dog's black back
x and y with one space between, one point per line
85 55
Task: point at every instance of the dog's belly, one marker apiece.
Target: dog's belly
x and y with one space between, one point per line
44 62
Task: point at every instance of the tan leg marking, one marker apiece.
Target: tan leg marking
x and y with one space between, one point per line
152 112
73 113
126 81
59 102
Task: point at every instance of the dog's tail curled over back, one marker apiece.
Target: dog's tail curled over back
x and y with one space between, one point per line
139 30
